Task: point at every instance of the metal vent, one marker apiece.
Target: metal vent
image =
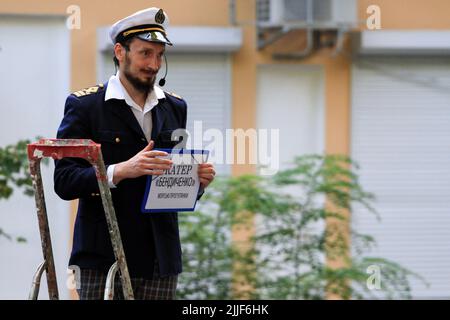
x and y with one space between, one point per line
295 10
263 10
328 12
322 10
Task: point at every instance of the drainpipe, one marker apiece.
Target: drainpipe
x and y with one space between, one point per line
232 9
340 41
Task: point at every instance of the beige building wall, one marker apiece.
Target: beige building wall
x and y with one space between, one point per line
395 14
98 13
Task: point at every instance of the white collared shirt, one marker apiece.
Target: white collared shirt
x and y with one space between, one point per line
116 90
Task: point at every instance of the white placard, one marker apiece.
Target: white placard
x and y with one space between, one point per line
177 189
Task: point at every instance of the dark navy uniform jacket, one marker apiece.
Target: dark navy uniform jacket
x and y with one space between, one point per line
145 236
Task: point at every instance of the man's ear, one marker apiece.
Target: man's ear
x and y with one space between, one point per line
119 52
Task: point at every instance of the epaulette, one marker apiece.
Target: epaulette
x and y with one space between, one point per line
87 91
174 95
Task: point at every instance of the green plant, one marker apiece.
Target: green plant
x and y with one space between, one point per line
208 253
300 224
14 173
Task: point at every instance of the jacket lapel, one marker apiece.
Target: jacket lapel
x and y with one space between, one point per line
158 116
126 115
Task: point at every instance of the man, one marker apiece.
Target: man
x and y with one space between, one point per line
130 116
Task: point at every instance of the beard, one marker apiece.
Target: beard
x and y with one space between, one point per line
144 86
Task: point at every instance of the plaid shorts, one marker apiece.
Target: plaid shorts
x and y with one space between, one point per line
92 286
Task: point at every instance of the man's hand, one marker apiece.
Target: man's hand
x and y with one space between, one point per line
206 174
143 163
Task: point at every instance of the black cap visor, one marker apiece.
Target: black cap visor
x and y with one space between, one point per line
154 36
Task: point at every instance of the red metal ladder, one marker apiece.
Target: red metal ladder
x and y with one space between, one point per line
91 151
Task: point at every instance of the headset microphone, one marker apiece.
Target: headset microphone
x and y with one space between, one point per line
162 81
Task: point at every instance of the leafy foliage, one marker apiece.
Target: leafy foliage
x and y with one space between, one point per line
14 173
207 253
14 169
301 225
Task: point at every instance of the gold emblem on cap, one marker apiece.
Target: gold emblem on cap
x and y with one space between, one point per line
160 17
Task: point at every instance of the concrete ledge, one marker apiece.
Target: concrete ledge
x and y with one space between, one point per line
190 39
402 42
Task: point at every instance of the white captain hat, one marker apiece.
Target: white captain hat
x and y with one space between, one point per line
148 24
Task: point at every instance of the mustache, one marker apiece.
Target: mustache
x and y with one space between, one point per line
150 72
